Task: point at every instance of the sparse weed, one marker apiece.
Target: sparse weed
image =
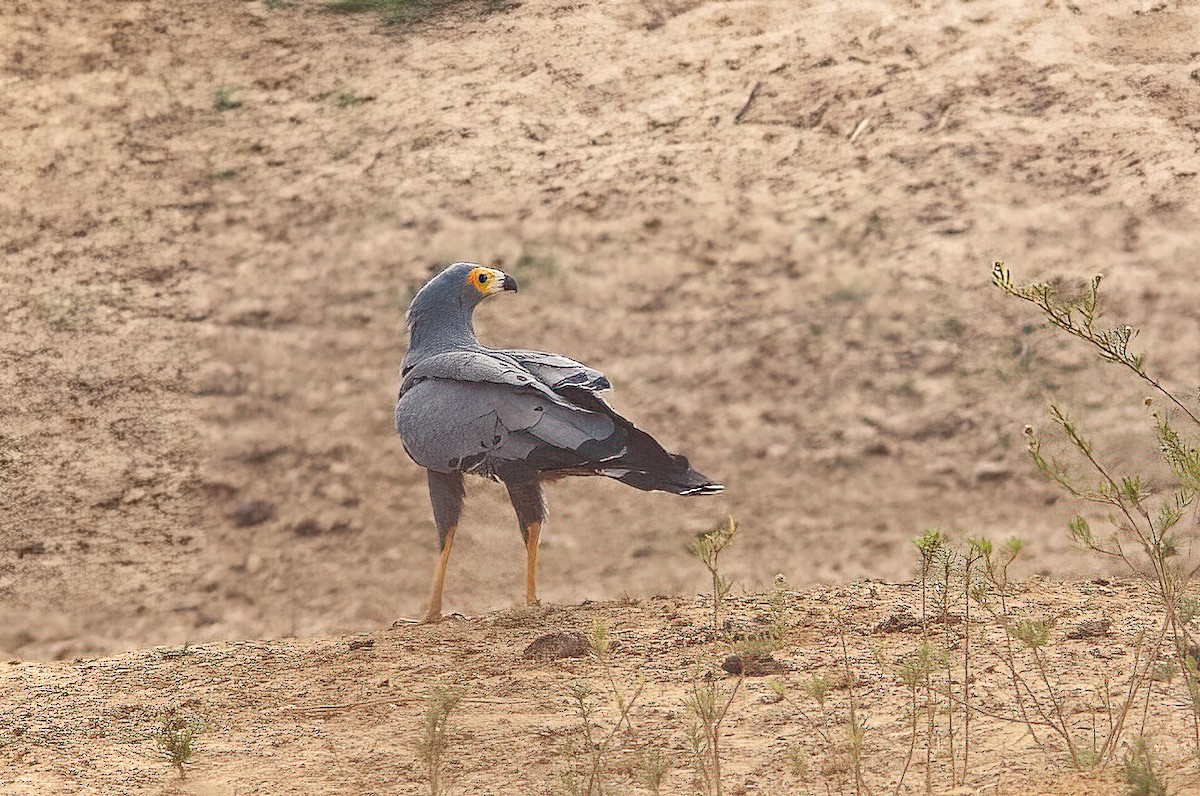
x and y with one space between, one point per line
1139 770
708 704
653 767
707 547
348 99
176 739
182 652
532 267
796 759
592 779
1148 534
818 687
223 99
435 735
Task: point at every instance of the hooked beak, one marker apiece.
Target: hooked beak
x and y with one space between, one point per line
509 284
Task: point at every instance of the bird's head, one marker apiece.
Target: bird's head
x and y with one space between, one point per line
479 282
458 289
463 285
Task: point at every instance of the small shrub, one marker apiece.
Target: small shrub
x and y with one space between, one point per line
176 739
707 547
223 99
435 735
1139 770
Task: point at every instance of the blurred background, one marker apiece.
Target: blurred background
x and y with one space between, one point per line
770 224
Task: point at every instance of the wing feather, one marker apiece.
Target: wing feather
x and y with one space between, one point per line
557 371
469 416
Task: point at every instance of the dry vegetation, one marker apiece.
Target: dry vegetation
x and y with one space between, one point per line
771 224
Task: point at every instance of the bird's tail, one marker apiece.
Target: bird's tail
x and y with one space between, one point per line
645 464
679 479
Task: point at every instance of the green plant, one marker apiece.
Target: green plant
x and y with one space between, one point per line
530 267
223 99
707 547
1138 767
708 704
796 759
348 99
600 645
856 728
592 779
435 734
653 767
818 687
176 739
1147 536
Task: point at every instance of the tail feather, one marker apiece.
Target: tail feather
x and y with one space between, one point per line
645 464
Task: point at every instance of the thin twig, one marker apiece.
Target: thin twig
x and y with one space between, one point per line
749 101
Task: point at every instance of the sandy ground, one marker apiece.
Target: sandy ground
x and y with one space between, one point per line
344 715
770 224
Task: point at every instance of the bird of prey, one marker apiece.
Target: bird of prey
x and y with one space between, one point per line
520 417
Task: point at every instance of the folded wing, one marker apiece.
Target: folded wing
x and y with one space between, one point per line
514 415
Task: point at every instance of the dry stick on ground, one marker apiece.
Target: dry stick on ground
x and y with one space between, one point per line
749 101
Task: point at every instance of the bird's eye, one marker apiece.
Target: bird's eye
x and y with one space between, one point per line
483 278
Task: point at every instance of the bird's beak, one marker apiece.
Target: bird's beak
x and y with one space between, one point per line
509 284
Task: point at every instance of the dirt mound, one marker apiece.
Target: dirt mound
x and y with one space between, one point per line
347 715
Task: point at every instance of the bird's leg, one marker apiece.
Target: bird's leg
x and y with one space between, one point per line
446 495
532 531
439 577
526 496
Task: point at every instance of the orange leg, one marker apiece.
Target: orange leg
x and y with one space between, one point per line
532 532
439 578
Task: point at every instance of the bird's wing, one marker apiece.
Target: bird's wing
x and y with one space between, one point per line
557 371
476 367
473 412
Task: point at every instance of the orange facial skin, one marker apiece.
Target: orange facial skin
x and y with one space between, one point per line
487 281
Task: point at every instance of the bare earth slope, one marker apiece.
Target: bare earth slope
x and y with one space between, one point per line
770 223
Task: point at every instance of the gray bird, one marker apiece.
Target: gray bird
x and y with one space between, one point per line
520 417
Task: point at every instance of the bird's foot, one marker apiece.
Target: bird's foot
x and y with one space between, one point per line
404 621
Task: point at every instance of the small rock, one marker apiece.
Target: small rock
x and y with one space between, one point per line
316 527
898 623
752 665
1091 628
307 527
557 645
253 512
992 471
360 643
